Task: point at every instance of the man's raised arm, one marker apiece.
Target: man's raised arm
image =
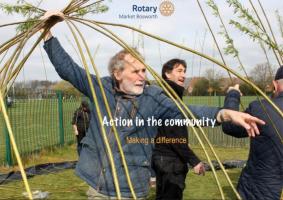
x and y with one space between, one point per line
66 68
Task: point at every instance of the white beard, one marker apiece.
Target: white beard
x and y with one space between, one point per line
130 88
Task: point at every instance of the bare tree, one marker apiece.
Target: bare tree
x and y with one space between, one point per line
263 75
213 76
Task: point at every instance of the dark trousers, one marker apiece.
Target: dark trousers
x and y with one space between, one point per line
79 144
79 148
170 177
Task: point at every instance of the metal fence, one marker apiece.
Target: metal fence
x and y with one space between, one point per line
40 122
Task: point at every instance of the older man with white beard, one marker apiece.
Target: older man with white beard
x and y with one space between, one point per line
129 98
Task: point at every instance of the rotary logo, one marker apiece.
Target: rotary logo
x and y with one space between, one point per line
166 8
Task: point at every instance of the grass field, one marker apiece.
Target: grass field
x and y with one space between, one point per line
35 124
66 185
36 129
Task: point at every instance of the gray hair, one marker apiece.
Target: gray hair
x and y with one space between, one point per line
117 62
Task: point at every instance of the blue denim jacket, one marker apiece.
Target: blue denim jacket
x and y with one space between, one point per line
93 165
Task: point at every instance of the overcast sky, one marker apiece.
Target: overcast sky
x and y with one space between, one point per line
185 26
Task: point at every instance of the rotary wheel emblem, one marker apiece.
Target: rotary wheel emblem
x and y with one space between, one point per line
166 8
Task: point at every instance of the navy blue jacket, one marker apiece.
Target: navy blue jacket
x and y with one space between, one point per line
262 178
93 165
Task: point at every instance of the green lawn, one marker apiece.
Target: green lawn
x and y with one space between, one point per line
65 185
36 129
35 124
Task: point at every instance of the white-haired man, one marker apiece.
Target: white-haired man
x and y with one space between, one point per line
129 99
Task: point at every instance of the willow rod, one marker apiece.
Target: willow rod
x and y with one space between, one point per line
17 23
6 45
104 135
16 71
199 54
216 43
179 101
12 60
268 38
84 7
120 42
14 145
76 5
240 62
21 64
226 31
213 36
269 26
4 57
109 114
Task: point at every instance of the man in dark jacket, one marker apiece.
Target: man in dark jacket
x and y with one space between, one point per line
169 160
262 178
80 123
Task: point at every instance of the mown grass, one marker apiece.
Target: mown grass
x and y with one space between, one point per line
35 124
66 185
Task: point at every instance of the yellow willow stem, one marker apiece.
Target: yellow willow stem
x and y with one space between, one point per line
11 42
15 56
213 36
269 26
36 7
180 101
43 62
84 7
96 51
75 6
3 58
199 54
17 38
109 114
9 65
207 57
261 44
117 40
14 145
68 6
2 61
264 30
174 96
76 51
216 43
14 75
17 23
226 32
104 135
8 44
26 35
